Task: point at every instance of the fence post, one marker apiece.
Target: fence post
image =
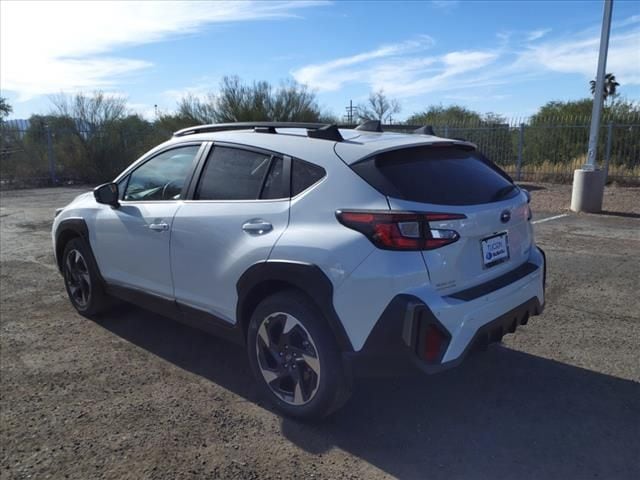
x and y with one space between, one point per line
50 156
607 155
446 131
520 148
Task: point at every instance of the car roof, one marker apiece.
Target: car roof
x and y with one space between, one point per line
356 144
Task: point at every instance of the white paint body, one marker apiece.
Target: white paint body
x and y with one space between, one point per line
203 252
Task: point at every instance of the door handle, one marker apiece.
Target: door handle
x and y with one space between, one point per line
257 227
159 227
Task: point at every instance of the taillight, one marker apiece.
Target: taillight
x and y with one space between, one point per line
401 230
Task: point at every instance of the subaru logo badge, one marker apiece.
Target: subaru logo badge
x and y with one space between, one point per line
505 216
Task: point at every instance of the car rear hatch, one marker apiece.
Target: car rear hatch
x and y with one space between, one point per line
479 216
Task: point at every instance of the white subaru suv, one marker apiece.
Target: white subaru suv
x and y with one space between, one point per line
328 253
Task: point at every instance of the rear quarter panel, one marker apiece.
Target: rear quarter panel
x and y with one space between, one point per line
315 236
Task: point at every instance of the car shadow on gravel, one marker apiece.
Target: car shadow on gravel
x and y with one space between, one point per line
501 414
610 213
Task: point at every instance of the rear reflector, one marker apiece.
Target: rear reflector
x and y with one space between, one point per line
433 344
401 230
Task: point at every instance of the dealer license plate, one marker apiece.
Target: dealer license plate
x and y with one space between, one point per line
495 249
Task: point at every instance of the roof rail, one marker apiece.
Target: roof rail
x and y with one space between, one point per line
426 130
314 130
370 126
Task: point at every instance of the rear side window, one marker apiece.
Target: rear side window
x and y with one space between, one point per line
275 185
303 175
234 174
437 175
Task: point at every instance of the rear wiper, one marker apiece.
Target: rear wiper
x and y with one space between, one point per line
504 191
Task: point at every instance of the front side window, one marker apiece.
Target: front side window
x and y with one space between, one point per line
233 174
162 177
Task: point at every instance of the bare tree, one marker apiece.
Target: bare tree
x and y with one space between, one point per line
90 112
194 110
378 107
294 102
236 101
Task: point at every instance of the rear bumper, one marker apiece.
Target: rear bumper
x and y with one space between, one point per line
398 338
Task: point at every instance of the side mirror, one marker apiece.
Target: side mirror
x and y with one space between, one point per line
526 194
107 194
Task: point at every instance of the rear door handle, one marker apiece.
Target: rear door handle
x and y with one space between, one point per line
257 227
159 227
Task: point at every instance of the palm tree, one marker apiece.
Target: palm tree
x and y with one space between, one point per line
610 86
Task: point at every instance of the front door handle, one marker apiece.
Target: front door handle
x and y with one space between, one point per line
257 227
159 227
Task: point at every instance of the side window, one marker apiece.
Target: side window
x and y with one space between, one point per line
122 185
234 174
275 185
303 175
162 177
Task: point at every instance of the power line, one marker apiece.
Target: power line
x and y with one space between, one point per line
351 110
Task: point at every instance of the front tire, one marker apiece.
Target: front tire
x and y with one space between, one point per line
82 280
295 358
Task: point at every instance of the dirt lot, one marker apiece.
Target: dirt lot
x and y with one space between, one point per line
134 395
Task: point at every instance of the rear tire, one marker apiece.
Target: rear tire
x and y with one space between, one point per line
295 358
82 280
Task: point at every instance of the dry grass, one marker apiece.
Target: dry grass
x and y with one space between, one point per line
563 172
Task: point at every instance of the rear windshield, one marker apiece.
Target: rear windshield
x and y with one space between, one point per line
438 175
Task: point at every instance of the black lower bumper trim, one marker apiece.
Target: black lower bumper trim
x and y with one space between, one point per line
497 283
394 343
493 332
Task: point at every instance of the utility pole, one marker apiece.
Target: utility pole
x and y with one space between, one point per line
350 110
588 182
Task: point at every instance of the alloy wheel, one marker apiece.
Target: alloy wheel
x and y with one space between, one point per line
288 358
78 278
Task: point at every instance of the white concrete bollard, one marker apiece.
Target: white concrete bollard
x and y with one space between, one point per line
588 189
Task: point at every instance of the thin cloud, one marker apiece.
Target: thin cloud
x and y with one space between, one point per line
397 69
334 74
403 71
201 89
580 56
50 47
627 21
537 34
445 4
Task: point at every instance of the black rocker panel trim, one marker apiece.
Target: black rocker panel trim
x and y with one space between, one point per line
181 313
261 277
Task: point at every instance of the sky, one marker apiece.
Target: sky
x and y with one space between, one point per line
508 57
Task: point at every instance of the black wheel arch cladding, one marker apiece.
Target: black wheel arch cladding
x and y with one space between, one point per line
66 230
264 278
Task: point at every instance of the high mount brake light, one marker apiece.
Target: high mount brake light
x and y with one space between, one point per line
401 230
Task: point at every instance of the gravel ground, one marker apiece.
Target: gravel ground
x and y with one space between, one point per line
556 198
134 395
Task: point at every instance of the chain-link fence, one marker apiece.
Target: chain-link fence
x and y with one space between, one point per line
549 150
40 155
